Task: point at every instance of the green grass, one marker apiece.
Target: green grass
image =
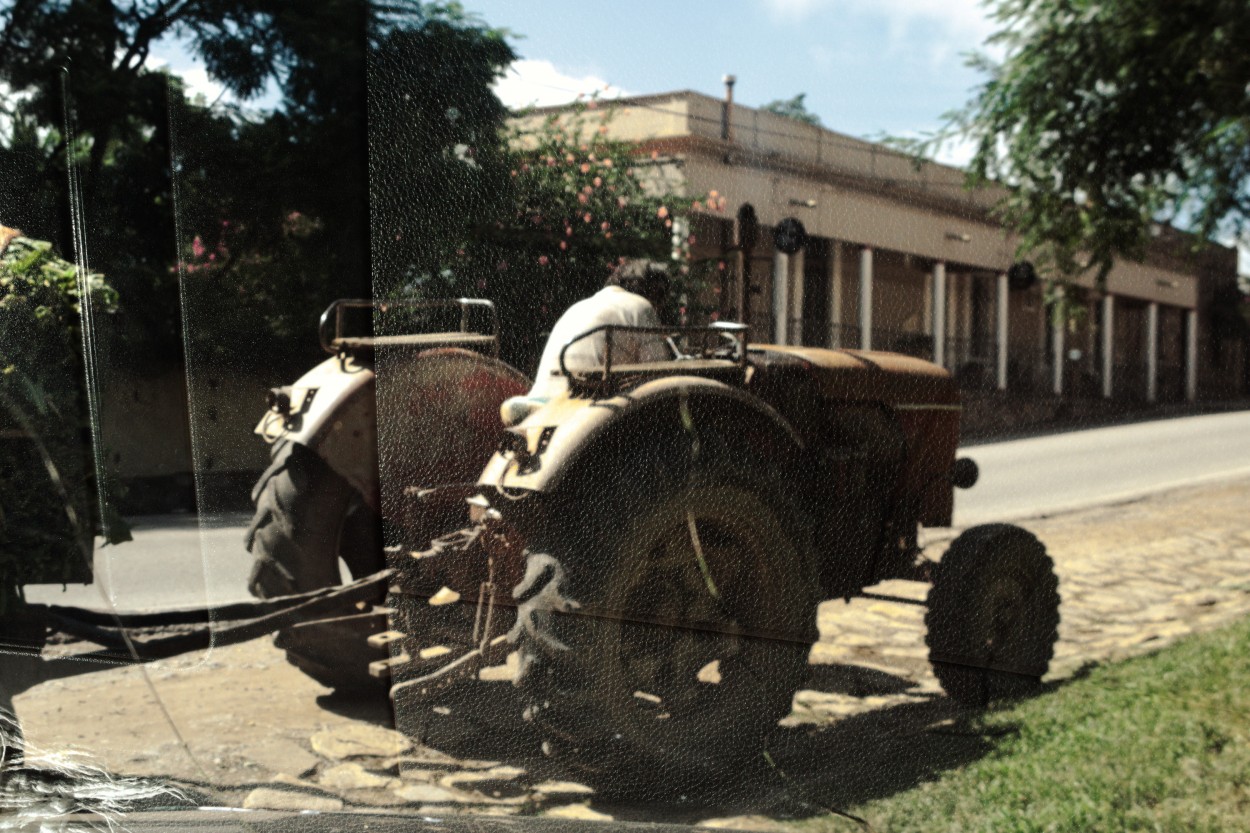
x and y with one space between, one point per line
1158 743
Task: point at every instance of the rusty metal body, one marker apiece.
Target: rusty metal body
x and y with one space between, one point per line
875 435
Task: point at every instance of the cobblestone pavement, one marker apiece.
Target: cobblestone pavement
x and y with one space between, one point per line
869 722
1132 578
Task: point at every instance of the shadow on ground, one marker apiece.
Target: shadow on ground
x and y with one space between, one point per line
808 770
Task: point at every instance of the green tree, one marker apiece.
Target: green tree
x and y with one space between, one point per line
793 108
1103 117
47 515
280 202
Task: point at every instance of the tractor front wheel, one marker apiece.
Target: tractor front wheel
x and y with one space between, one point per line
993 615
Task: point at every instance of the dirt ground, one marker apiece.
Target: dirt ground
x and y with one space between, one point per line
239 727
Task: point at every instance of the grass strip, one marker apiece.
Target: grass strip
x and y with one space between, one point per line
1156 743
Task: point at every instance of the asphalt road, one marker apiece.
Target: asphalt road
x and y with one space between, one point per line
1044 475
175 561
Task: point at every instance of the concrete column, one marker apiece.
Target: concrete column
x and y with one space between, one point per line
939 313
926 325
1058 326
739 262
1004 299
835 294
781 297
1108 346
1191 355
865 299
798 266
1152 352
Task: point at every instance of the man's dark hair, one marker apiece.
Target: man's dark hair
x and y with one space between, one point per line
648 278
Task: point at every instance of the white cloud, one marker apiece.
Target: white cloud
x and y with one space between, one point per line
965 19
537 83
194 77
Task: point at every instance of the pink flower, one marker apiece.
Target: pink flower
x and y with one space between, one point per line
668 224
543 260
605 225
696 205
212 257
622 202
662 212
598 181
691 240
570 158
607 162
564 245
197 247
655 154
581 198
607 235
586 217
585 167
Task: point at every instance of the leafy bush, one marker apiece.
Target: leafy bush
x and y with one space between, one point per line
46 483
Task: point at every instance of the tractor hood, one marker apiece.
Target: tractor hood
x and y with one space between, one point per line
861 375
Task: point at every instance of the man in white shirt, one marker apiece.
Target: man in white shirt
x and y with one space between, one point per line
628 299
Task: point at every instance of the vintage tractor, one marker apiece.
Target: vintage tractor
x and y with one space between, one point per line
382 413
653 544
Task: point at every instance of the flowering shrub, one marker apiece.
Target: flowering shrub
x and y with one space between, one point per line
582 203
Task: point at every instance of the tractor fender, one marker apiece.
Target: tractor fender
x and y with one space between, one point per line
333 411
434 415
553 440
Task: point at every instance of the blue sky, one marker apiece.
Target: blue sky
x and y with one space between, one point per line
867 66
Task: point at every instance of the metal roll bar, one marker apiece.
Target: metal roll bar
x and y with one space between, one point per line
731 330
334 313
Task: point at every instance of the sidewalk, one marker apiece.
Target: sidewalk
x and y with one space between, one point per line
1133 578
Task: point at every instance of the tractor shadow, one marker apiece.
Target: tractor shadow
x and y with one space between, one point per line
816 769
810 769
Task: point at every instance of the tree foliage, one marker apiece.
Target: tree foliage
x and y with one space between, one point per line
1103 117
279 200
793 108
579 203
46 515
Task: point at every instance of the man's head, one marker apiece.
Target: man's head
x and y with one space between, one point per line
648 278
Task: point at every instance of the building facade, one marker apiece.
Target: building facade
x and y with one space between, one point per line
905 258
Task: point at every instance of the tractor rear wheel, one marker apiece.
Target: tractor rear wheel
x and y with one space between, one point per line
665 620
307 519
993 615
